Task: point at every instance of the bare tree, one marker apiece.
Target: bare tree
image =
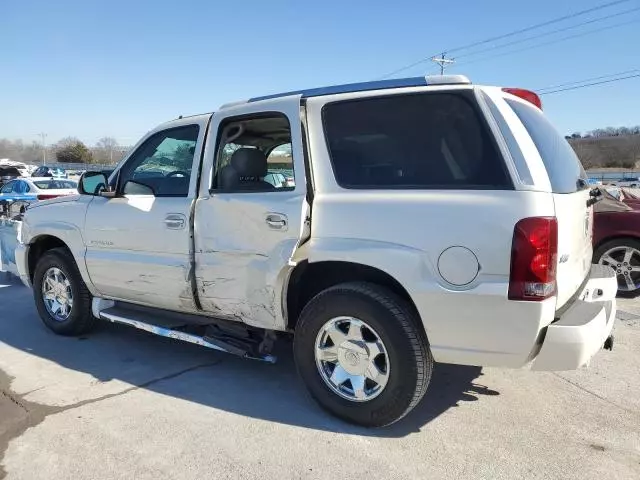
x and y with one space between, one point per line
105 148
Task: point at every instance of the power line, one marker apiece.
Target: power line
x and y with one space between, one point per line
560 85
540 25
558 30
552 42
591 84
510 34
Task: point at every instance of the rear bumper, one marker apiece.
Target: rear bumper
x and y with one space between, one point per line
571 341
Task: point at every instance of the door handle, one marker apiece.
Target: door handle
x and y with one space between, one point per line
276 221
175 221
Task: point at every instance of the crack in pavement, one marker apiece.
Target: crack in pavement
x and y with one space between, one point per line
586 390
35 413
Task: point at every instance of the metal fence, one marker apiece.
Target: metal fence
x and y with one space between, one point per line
77 167
606 176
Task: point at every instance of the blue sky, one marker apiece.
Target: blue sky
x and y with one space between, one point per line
118 68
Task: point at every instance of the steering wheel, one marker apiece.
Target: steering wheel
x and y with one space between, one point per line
177 173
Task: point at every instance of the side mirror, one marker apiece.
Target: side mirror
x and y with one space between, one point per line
92 183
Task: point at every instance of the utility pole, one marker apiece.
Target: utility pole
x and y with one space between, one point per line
44 148
442 61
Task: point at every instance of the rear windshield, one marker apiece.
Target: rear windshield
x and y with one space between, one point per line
565 171
55 184
421 141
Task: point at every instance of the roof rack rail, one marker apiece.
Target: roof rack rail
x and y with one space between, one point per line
365 86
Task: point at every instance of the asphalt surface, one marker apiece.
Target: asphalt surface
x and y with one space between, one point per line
121 403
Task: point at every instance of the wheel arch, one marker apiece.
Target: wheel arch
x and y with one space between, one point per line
310 278
39 246
42 243
612 238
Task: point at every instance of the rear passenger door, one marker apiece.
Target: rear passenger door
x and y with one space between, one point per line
246 228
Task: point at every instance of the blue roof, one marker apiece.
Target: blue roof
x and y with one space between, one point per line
350 87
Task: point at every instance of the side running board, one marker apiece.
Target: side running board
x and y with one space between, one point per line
114 315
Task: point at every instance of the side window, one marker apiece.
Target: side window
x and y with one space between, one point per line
8 188
26 188
414 141
19 187
561 162
163 163
254 155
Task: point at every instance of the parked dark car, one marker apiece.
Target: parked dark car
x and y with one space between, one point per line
616 239
7 174
45 171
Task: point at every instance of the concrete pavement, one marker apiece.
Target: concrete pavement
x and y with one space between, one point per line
121 403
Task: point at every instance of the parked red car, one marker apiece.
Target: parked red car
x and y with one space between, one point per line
616 239
631 199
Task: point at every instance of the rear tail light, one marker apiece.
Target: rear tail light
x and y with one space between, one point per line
527 95
533 259
44 196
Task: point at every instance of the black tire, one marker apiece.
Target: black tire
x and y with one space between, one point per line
80 319
397 325
618 242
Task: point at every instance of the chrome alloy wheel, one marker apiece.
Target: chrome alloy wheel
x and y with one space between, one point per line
57 295
626 262
352 359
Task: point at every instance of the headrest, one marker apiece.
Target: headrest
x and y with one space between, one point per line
249 162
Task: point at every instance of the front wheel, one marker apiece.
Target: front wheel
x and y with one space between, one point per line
61 296
361 354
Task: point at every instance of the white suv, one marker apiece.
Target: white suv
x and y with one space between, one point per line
427 220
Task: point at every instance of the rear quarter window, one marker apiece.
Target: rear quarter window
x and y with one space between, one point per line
564 169
416 141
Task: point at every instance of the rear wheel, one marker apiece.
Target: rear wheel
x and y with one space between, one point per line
361 354
61 296
623 255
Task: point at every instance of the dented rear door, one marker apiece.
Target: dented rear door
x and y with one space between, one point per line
244 239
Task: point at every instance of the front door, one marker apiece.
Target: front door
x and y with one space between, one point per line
138 243
251 212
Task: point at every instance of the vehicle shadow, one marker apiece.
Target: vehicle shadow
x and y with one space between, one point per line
253 389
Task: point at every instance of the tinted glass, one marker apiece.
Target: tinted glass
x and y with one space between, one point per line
424 141
561 162
163 163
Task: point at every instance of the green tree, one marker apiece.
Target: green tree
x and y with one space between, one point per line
73 152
